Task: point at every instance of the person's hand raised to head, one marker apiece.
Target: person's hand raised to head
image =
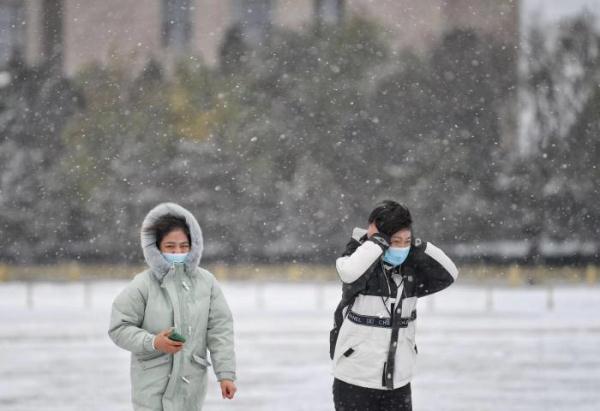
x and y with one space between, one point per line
372 229
163 343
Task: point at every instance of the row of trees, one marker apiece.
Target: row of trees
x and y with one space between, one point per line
283 149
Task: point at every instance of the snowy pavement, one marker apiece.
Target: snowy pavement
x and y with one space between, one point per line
509 353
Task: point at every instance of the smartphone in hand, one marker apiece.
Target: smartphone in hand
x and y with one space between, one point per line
175 336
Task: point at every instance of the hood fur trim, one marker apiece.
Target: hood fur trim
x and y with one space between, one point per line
154 258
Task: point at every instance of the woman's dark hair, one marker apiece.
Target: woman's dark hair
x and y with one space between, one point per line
167 223
390 217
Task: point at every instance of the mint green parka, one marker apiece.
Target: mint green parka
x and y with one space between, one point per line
183 296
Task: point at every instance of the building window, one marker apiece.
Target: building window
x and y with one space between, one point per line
176 24
254 18
329 11
12 31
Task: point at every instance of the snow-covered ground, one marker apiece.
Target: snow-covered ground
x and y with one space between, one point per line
509 353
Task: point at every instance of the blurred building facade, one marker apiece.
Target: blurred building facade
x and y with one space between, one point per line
73 33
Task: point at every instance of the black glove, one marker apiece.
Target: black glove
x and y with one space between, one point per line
382 240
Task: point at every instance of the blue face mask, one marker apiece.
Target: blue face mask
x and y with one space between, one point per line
175 258
396 255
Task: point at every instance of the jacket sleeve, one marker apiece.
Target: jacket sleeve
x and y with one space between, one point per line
357 259
433 268
126 319
220 335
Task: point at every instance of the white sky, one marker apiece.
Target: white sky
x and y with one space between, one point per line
556 9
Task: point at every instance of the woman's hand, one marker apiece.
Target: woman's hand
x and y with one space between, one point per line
372 229
163 344
228 389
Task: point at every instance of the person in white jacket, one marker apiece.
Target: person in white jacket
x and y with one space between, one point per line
384 271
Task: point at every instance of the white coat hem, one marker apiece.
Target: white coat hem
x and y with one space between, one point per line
367 384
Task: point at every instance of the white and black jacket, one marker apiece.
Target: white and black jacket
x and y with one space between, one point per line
373 340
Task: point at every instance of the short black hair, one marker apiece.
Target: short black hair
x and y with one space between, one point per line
167 223
390 217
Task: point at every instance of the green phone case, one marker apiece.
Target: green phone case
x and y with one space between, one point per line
175 336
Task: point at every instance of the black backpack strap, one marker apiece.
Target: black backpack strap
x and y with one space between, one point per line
349 293
338 319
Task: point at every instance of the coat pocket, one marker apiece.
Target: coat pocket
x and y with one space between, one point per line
201 361
154 362
406 359
409 304
194 377
348 352
194 373
342 349
360 361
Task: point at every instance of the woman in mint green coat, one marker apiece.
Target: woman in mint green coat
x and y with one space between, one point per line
173 298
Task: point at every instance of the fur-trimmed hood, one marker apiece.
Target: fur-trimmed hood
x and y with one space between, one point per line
154 258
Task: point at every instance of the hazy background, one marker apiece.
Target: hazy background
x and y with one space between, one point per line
280 124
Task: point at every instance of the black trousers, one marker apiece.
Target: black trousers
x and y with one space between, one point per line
348 397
